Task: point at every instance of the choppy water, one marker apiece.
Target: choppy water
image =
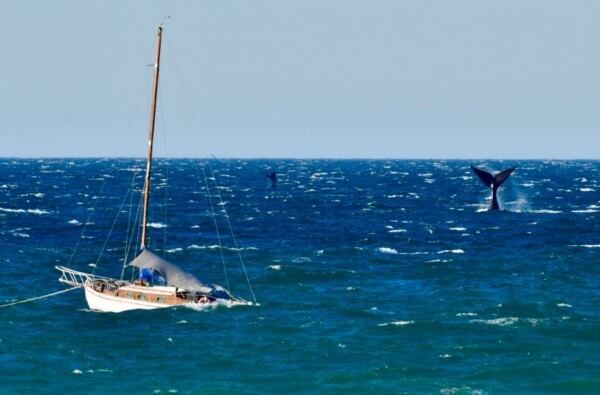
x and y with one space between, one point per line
372 277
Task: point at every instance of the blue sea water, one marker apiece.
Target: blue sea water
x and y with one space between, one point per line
372 277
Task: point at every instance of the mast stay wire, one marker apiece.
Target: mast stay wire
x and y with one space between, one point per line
134 235
233 238
214 217
111 230
212 208
166 176
101 191
131 227
197 129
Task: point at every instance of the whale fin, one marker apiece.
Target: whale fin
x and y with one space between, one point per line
485 177
502 176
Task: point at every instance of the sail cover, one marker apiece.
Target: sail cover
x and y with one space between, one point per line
173 275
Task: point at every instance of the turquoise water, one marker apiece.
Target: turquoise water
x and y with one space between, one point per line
372 277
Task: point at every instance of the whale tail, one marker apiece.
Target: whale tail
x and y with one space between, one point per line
493 182
273 177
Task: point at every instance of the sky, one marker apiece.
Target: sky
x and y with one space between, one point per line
302 79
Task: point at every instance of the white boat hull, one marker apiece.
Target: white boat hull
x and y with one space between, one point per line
111 304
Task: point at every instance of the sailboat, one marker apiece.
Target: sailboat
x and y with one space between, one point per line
160 284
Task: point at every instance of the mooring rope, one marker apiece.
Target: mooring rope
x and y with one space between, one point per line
38 297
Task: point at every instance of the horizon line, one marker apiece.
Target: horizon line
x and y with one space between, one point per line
303 158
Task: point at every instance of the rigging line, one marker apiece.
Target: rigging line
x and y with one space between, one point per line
235 243
182 87
127 131
111 230
136 221
197 128
135 112
129 230
87 221
38 297
166 177
138 226
214 216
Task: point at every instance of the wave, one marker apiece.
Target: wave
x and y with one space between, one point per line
544 211
396 323
507 321
503 321
585 245
469 314
35 211
397 231
454 251
461 390
156 225
216 246
387 250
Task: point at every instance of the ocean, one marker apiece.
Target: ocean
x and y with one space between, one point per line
372 276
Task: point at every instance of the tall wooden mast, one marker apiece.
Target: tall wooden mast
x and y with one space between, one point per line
144 242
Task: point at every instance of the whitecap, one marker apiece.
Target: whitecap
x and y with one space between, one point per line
458 229
387 250
455 251
156 225
588 210
397 231
586 245
396 323
565 305
74 222
502 321
174 250
36 211
461 390
274 267
77 371
545 211
587 189
469 314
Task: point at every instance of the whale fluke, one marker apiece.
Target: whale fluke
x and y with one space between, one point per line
273 178
493 182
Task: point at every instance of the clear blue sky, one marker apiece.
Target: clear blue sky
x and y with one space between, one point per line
310 78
